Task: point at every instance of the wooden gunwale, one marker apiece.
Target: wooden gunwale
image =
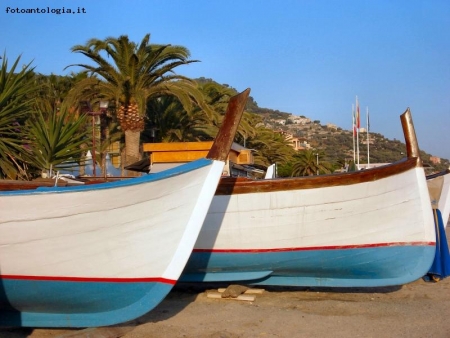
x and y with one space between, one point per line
219 150
240 185
441 173
6 185
228 186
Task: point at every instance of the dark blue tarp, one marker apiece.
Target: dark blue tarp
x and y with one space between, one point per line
441 265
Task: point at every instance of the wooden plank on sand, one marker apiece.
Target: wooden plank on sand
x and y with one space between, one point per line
247 292
218 295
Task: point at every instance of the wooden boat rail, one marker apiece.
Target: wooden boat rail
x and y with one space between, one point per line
441 173
218 151
241 185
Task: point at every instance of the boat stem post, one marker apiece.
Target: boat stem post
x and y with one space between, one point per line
412 146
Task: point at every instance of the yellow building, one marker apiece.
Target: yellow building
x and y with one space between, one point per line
163 156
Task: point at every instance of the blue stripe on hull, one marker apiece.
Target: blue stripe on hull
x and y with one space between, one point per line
31 303
179 170
359 267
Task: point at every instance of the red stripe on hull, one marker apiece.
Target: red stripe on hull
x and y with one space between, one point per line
92 279
336 247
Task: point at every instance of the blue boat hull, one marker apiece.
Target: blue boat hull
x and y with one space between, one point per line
43 303
345 267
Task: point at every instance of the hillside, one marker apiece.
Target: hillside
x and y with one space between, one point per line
336 142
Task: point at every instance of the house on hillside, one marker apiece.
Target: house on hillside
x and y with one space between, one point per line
299 120
332 126
435 159
298 143
280 121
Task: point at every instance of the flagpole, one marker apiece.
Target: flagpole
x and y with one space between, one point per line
353 132
357 147
357 131
368 141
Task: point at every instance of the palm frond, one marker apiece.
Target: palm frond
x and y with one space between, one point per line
56 141
15 105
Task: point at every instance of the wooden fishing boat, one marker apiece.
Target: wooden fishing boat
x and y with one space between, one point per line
359 229
102 254
439 188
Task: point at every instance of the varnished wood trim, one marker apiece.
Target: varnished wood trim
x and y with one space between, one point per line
6 185
224 139
412 146
441 173
228 185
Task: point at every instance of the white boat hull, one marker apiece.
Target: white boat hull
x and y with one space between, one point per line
374 233
99 254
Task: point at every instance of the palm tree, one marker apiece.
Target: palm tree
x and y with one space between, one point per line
217 97
52 90
309 163
15 105
55 139
137 73
271 147
250 129
174 124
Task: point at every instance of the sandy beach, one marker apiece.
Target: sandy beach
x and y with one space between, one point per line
416 310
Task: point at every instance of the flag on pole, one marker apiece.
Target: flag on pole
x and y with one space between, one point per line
354 122
368 121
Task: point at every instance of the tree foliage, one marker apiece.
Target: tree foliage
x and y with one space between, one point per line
137 73
15 105
55 139
309 163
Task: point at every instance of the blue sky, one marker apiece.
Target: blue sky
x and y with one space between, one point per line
305 57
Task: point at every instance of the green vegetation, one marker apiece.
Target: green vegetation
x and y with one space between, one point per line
309 163
138 73
55 139
15 106
44 124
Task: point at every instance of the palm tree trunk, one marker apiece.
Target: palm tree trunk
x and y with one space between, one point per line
132 153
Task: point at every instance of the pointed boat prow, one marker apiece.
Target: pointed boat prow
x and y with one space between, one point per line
121 243
222 143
